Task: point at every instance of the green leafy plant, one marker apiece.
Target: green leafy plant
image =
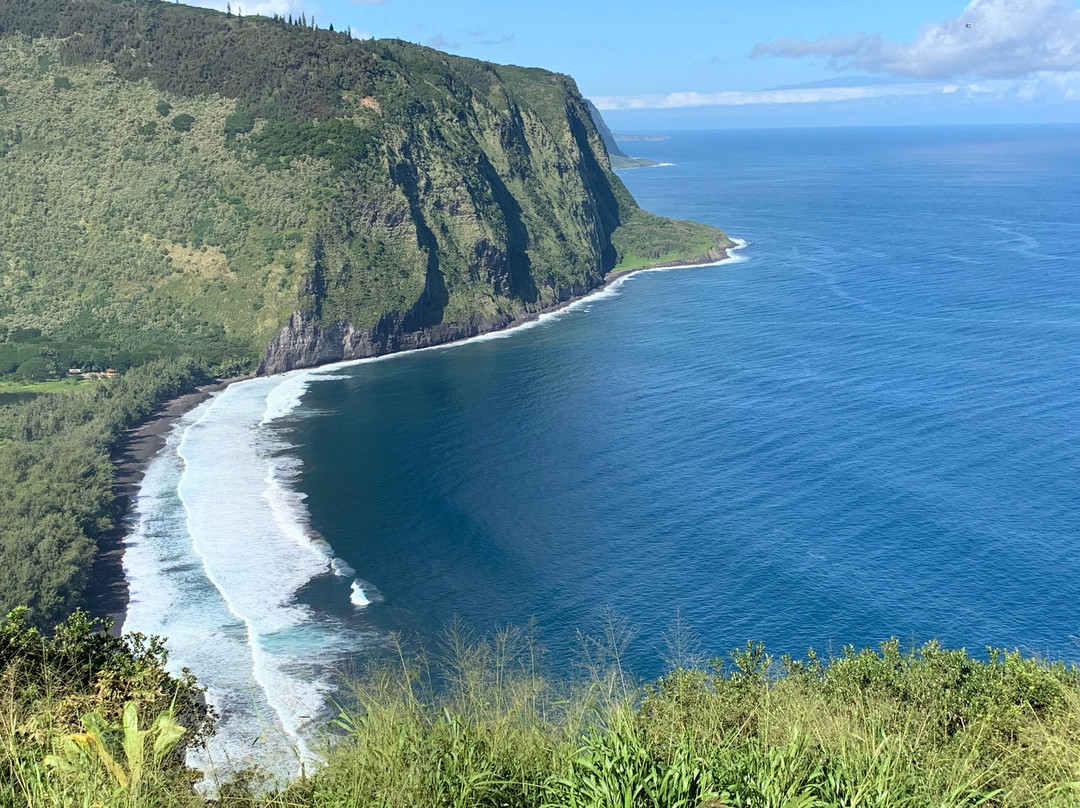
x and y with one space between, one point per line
125 765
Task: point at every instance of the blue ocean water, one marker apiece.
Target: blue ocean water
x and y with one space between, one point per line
869 426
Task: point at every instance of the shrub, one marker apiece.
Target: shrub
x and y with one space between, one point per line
61 83
93 719
183 122
239 123
163 108
37 369
338 141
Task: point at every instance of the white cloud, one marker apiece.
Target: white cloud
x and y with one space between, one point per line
739 98
990 39
1050 86
267 8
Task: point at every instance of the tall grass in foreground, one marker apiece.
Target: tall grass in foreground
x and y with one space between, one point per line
479 724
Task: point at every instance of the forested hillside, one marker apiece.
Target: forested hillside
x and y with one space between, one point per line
180 181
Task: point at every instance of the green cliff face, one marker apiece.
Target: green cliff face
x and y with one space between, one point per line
178 181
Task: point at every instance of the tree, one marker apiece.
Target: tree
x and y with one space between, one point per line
239 123
183 122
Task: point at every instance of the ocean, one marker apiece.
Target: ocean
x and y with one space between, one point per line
867 425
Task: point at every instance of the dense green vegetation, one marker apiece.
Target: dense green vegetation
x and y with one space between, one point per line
179 181
56 475
887 728
650 240
82 711
482 726
128 239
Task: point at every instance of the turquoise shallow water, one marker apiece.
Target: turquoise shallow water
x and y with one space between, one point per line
867 427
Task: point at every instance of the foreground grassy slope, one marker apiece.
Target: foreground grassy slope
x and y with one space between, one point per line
884 728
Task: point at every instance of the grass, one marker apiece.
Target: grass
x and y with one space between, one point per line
630 261
645 240
13 392
478 723
53 386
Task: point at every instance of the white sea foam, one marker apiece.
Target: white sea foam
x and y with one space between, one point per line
364 594
170 595
359 597
341 568
285 396
221 548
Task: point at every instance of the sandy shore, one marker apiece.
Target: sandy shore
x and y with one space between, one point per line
107 591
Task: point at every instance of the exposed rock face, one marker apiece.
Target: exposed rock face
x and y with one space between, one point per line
303 342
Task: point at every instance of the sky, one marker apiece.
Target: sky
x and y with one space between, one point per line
722 64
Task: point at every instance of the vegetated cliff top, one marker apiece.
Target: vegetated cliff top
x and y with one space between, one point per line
183 181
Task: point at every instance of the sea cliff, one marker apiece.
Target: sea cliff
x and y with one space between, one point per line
195 183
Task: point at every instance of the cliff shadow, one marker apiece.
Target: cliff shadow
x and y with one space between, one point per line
518 263
429 307
596 183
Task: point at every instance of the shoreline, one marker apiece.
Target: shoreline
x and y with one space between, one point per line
106 594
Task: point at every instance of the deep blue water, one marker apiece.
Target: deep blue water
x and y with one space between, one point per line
869 427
